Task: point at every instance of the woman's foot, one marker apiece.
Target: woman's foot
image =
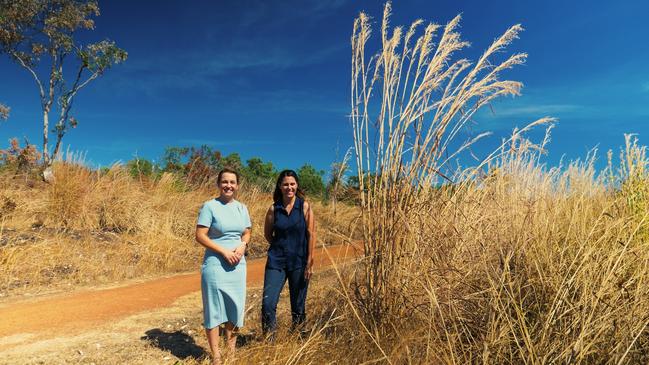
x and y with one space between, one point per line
231 349
216 360
232 344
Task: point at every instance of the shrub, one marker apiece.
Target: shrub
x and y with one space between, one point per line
20 159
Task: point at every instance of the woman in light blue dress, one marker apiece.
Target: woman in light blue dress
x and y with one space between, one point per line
223 228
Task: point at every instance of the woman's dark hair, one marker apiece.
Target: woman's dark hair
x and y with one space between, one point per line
277 195
226 171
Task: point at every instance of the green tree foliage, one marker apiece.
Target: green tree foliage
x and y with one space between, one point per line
39 35
311 180
232 161
201 165
353 182
260 173
197 164
173 160
140 167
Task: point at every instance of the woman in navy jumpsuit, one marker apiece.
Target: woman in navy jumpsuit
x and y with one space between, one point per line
289 228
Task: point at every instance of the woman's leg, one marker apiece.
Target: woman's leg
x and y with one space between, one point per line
297 286
213 340
230 338
274 280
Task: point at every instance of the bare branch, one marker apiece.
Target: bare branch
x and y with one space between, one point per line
32 72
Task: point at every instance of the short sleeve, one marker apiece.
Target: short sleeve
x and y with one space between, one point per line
205 216
246 217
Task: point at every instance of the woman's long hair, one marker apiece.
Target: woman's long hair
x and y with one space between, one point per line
277 195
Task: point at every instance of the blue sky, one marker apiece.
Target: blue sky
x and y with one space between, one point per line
271 78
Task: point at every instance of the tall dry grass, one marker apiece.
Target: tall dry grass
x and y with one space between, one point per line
508 262
519 264
409 102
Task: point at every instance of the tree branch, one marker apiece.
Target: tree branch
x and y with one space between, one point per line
38 81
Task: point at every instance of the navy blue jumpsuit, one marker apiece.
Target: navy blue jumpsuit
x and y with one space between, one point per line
287 258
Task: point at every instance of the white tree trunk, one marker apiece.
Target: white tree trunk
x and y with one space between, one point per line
46 122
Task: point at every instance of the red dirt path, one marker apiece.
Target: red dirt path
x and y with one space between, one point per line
73 312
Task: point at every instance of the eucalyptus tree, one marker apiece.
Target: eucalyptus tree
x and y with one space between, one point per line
41 36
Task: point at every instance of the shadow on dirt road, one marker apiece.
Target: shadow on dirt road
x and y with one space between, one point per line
177 343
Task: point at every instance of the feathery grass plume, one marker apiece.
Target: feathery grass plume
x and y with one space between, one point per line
336 184
509 261
402 132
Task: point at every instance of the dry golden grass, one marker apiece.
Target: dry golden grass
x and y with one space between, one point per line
510 263
90 227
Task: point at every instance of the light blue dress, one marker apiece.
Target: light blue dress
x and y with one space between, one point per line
223 286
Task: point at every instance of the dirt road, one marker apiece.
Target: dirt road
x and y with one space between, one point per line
72 313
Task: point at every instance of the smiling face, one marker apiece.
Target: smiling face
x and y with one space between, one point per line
288 187
228 185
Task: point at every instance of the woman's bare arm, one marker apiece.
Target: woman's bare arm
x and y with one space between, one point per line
245 240
205 241
310 227
268 224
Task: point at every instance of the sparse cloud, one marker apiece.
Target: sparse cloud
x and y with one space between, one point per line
221 76
206 69
292 100
534 110
243 48
601 99
261 56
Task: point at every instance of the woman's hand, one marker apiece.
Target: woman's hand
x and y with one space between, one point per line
240 251
205 241
231 257
308 270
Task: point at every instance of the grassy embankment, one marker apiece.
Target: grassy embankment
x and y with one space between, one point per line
89 227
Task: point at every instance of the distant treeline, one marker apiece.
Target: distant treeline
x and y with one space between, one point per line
200 165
